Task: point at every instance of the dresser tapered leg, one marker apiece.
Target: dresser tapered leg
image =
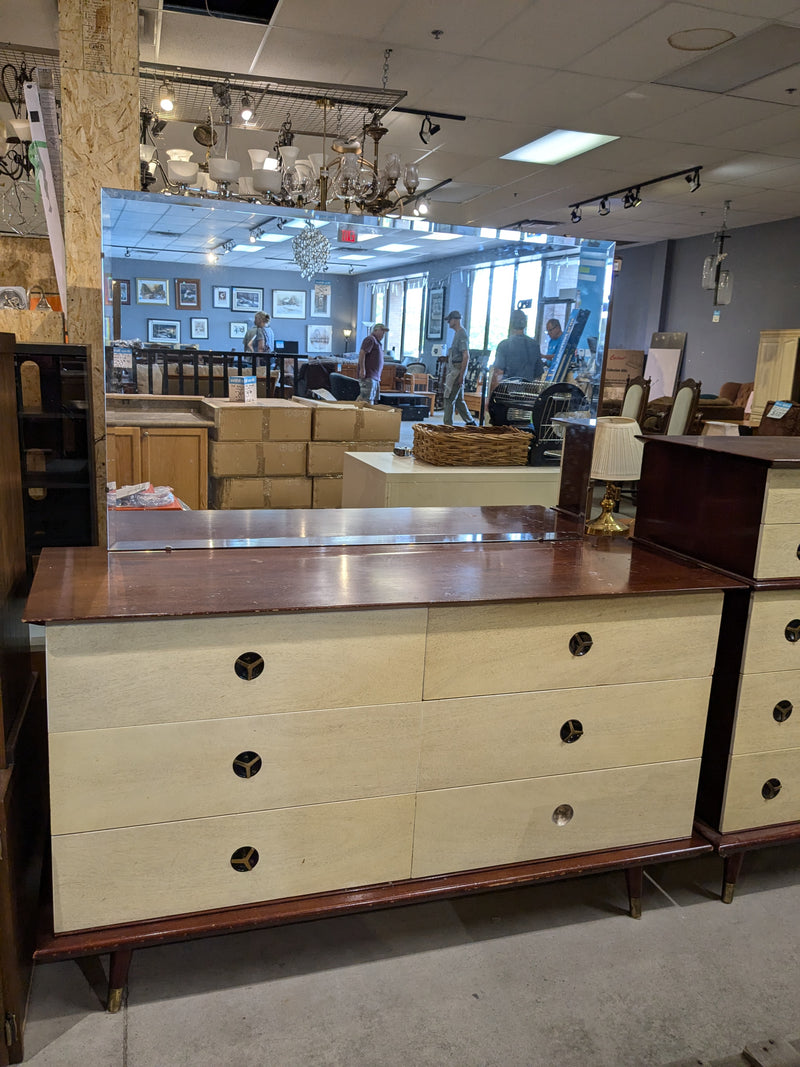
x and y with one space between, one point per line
119 966
634 877
730 872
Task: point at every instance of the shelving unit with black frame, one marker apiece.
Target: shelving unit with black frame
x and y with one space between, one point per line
53 417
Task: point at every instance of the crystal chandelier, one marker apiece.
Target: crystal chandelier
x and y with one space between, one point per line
311 250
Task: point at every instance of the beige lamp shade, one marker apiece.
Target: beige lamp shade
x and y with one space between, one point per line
617 454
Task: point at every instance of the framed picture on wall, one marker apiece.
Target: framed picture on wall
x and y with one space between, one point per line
238 329
321 301
187 294
124 285
319 339
221 296
435 331
167 331
243 299
288 304
152 291
198 329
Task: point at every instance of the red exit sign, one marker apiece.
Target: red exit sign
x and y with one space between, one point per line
347 237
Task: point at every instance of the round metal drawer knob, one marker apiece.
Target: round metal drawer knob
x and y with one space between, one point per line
244 858
247 765
782 710
581 642
792 631
771 788
249 665
563 814
571 731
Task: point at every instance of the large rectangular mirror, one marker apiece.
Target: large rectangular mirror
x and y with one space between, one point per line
185 275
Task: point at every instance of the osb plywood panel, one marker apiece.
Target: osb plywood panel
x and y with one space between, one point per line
91 39
33 327
27 261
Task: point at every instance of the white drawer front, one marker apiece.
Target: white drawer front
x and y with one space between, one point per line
505 648
762 788
474 740
768 712
489 825
142 872
100 779
777 551
127 673
782 498
768 645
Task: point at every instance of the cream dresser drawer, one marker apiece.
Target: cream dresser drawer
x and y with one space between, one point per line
142 872
488 825
778 548
143 671
773 640
767 712
762 788
475 740
130 776
561 644
782 496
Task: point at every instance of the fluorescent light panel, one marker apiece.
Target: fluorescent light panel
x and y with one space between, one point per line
299 224
441 237
558 146
356 257
246 248
396 248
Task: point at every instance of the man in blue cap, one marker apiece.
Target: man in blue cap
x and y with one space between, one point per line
455 369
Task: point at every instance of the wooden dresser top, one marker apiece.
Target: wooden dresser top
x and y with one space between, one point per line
74 584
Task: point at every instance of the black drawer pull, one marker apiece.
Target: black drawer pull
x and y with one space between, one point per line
581 642
782 710
248 666
247 765
571 731
562 815
770 788
244 858
792 631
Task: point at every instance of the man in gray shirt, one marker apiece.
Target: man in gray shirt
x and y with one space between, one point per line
456 368
518 356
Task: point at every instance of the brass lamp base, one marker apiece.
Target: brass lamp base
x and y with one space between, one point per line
605 523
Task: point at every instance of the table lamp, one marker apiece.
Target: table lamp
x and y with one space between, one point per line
616 457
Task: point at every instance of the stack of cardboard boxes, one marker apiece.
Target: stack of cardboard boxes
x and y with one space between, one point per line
290 453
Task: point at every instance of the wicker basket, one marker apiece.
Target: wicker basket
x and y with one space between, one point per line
471 446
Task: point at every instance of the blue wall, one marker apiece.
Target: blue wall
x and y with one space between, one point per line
659 289
133 317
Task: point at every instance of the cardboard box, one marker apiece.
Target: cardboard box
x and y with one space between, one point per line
256 458
261 492
327 457
331 421
327 492
241 388
377 422
265 419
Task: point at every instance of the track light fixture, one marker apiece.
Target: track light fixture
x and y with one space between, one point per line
166 97
631 197
256 234
247 108
428 129
694 180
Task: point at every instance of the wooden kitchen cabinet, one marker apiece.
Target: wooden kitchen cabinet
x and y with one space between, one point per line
163 455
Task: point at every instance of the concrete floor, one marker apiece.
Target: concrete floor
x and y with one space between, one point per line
556 975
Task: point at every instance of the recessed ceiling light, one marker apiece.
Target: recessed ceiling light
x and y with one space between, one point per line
272 237
441 237
558 146
356 257
396 248
245 248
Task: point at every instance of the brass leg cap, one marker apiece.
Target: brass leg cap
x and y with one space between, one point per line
636 908
728 889
114 1002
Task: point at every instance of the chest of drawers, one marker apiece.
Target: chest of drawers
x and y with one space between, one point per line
218 761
